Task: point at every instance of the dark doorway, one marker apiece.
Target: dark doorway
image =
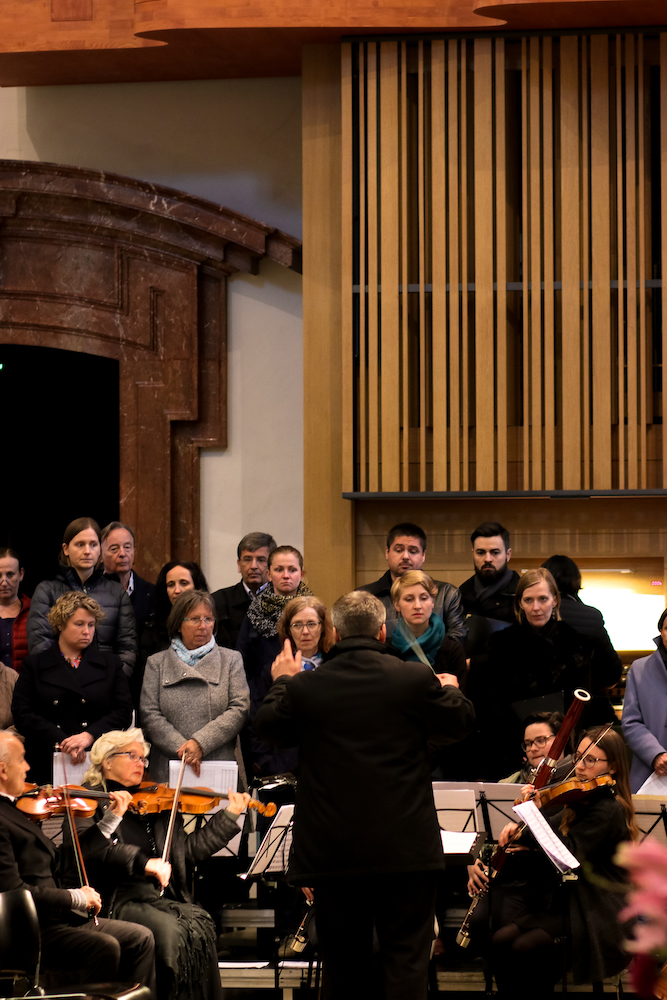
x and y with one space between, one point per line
61 449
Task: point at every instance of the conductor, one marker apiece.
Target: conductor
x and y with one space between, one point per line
366 836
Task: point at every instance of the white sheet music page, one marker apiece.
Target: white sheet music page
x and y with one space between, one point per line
552 845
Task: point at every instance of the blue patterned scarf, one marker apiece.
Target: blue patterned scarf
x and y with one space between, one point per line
191 656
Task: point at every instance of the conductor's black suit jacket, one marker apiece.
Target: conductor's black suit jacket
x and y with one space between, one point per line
362 722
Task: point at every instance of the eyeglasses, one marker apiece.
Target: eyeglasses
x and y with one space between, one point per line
198 621
589 760
134 757
300 626
539 742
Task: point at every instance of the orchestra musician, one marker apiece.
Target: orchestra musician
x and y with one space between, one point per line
529 915
540 730
71 943
185 938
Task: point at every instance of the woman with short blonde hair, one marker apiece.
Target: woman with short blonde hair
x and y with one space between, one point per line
72 692
418 634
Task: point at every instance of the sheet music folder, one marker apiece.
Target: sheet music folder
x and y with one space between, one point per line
456 811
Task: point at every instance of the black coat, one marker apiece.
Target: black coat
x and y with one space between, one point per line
52 700
116 633
231 604
523 663
500 606
140 599
362 722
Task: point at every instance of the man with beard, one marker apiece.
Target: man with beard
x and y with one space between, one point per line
406 550
490 592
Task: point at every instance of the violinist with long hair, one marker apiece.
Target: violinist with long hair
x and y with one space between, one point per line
528 923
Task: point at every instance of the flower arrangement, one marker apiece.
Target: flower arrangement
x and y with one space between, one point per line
647 907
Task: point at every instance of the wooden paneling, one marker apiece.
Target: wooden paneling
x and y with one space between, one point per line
328 531
457 390
128 40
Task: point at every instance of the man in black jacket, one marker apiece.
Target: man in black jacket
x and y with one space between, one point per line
366 836
232 603
406 550
490 592
113 951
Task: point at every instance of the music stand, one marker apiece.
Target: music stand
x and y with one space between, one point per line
456 812
651 812
493 803
220 776
272 856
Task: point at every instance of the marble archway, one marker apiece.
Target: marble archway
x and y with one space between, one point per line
111 266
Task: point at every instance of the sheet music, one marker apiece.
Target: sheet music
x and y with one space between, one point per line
551 844
280 860
457 843
75 772
655 784
219 775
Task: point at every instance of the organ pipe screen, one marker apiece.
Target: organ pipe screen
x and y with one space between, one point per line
503 232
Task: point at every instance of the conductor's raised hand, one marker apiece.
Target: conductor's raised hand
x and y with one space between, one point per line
286 663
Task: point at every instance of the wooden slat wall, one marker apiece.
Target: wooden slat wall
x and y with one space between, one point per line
487 166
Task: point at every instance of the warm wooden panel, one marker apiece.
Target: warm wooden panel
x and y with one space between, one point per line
484 357
206 39
328 530
456 220
502 388
518 266
663 230
347 257
389 268
373 358
570 257
439 267
601 270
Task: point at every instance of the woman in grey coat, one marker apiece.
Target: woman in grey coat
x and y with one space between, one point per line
195 698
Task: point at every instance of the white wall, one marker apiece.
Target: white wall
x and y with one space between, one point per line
238 143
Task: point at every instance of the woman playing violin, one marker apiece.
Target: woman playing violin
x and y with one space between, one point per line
527 924
185 939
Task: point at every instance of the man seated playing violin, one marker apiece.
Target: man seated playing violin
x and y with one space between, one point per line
185 938
105 951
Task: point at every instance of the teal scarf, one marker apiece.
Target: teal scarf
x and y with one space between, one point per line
402 639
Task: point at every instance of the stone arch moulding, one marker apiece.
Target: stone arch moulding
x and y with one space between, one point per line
111 266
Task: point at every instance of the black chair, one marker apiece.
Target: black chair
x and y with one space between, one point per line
20 949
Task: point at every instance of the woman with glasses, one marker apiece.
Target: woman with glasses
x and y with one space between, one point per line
540 730
194 699
185 938
72 692
539 656
527 925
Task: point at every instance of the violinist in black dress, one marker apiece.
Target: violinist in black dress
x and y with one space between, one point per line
528 923
185 939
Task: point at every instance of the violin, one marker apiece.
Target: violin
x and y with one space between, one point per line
39 802
574 790
194 801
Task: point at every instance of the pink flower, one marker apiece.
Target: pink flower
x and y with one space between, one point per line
649 856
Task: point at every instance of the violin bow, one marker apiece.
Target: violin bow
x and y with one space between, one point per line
78 853
166 851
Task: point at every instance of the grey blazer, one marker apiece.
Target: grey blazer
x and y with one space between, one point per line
208 702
